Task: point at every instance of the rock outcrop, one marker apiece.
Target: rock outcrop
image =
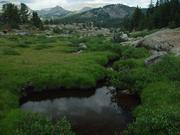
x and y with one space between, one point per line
167 40
154 58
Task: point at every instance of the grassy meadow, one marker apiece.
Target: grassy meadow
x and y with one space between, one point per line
158 86
43 63
51 62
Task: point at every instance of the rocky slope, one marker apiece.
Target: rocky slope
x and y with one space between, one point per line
111 11
167 40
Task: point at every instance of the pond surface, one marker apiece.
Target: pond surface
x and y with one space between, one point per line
90 113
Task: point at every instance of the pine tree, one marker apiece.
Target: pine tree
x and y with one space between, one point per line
24 13
10 15
1 19
137 18
157 3
36 21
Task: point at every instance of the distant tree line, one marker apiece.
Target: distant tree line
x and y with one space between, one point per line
12 16
166 14
98 21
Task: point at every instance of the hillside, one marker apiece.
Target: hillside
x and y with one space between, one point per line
109 15
85 9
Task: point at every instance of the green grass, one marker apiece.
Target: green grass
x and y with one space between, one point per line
158 85
43 63
51 65
160 112
9 51
142 33
21 123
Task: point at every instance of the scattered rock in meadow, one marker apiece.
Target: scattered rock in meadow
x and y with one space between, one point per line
111 88
132 41
82 46
124 37
79 52
2 33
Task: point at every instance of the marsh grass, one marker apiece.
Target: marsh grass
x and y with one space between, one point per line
158 85
43 62
9 51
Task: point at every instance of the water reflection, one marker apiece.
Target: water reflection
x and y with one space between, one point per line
96 114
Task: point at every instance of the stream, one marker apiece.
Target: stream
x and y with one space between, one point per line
96 111
90 113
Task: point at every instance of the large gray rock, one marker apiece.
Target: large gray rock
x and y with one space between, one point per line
2 34
164 40
124 37
154 58
120 37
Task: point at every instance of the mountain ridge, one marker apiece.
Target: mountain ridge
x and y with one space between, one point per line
53 13
109 15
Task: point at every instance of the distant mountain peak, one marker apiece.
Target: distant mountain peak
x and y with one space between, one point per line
58 7
113 11
107 16
3 2
54 12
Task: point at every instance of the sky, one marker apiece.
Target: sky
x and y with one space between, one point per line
78 4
